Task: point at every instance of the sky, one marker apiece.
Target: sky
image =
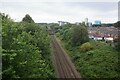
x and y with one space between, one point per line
47 11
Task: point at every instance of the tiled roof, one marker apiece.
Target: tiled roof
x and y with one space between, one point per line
103 30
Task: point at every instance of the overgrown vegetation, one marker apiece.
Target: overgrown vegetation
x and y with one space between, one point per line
75 35
28 19
94 59
86 47
25 50
117 25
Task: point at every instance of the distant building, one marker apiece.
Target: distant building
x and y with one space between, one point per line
106 33
61 23
77 23
86 21
97 23
90 24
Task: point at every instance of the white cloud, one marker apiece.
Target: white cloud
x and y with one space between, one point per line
55 11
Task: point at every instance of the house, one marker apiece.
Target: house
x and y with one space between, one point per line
103 33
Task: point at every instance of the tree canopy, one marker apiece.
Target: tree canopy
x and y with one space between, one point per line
28 19
25 50
80 35
74 34
117 24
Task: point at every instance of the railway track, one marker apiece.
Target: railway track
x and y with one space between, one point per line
64 68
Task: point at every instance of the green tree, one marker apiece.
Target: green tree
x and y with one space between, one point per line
117 25
73 34
80 35
28 19
23 47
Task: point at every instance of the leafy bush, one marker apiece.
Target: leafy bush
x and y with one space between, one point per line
117 44
108 41
25 50
73 34
79 35
101 62
86 47
28 19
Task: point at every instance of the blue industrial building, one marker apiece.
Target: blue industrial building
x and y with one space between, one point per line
97 23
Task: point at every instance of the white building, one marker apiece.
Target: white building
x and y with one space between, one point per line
108 38
90 24
86 21
97 38
61 23
77 23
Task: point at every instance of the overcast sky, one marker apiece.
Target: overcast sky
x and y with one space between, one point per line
61 10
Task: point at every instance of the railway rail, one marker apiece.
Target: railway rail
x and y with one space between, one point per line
64 68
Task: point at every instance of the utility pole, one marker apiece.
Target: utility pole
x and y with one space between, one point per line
119 11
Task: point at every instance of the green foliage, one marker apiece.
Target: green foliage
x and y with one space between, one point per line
108 41
28 19
107 24
100 62
74 35
54 27
117 46
117 25
86 47
25 50
79 36
96 59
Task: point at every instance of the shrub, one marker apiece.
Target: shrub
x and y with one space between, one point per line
79 35
108 41
25 50
86 47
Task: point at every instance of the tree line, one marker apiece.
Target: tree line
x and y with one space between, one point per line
73 34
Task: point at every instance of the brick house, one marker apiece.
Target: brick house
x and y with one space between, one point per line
100 33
